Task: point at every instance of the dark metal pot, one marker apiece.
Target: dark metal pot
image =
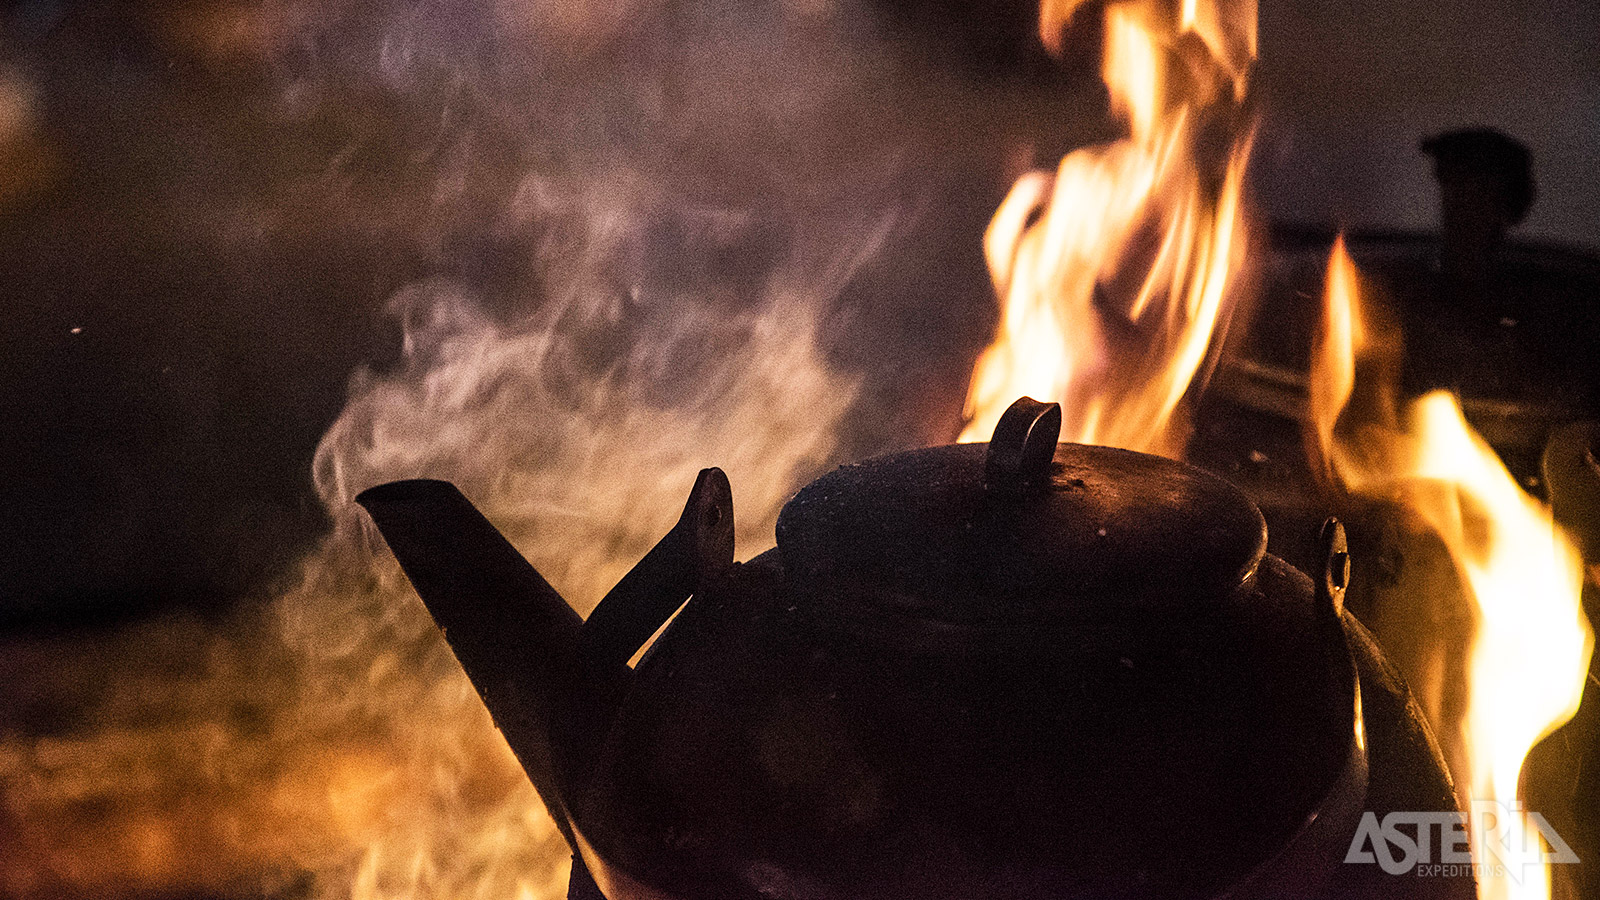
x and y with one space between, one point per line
1019 669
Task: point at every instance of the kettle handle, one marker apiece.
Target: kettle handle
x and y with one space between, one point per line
697 550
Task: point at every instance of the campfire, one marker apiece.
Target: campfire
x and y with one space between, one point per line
327 742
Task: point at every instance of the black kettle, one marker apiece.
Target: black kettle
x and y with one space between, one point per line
1019 669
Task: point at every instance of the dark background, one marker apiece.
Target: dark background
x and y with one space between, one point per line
205 205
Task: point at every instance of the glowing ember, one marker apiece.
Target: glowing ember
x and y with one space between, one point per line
1113 273
1530 651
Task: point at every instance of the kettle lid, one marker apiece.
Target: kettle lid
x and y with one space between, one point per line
958 536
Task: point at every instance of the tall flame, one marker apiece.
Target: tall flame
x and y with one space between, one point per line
1339 339
1113 272
1530 650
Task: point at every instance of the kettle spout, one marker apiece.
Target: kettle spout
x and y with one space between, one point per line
512 632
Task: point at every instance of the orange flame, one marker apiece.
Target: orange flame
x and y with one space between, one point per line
1113 273
1530 651
1340 338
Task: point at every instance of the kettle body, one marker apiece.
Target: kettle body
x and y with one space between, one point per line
1019 669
